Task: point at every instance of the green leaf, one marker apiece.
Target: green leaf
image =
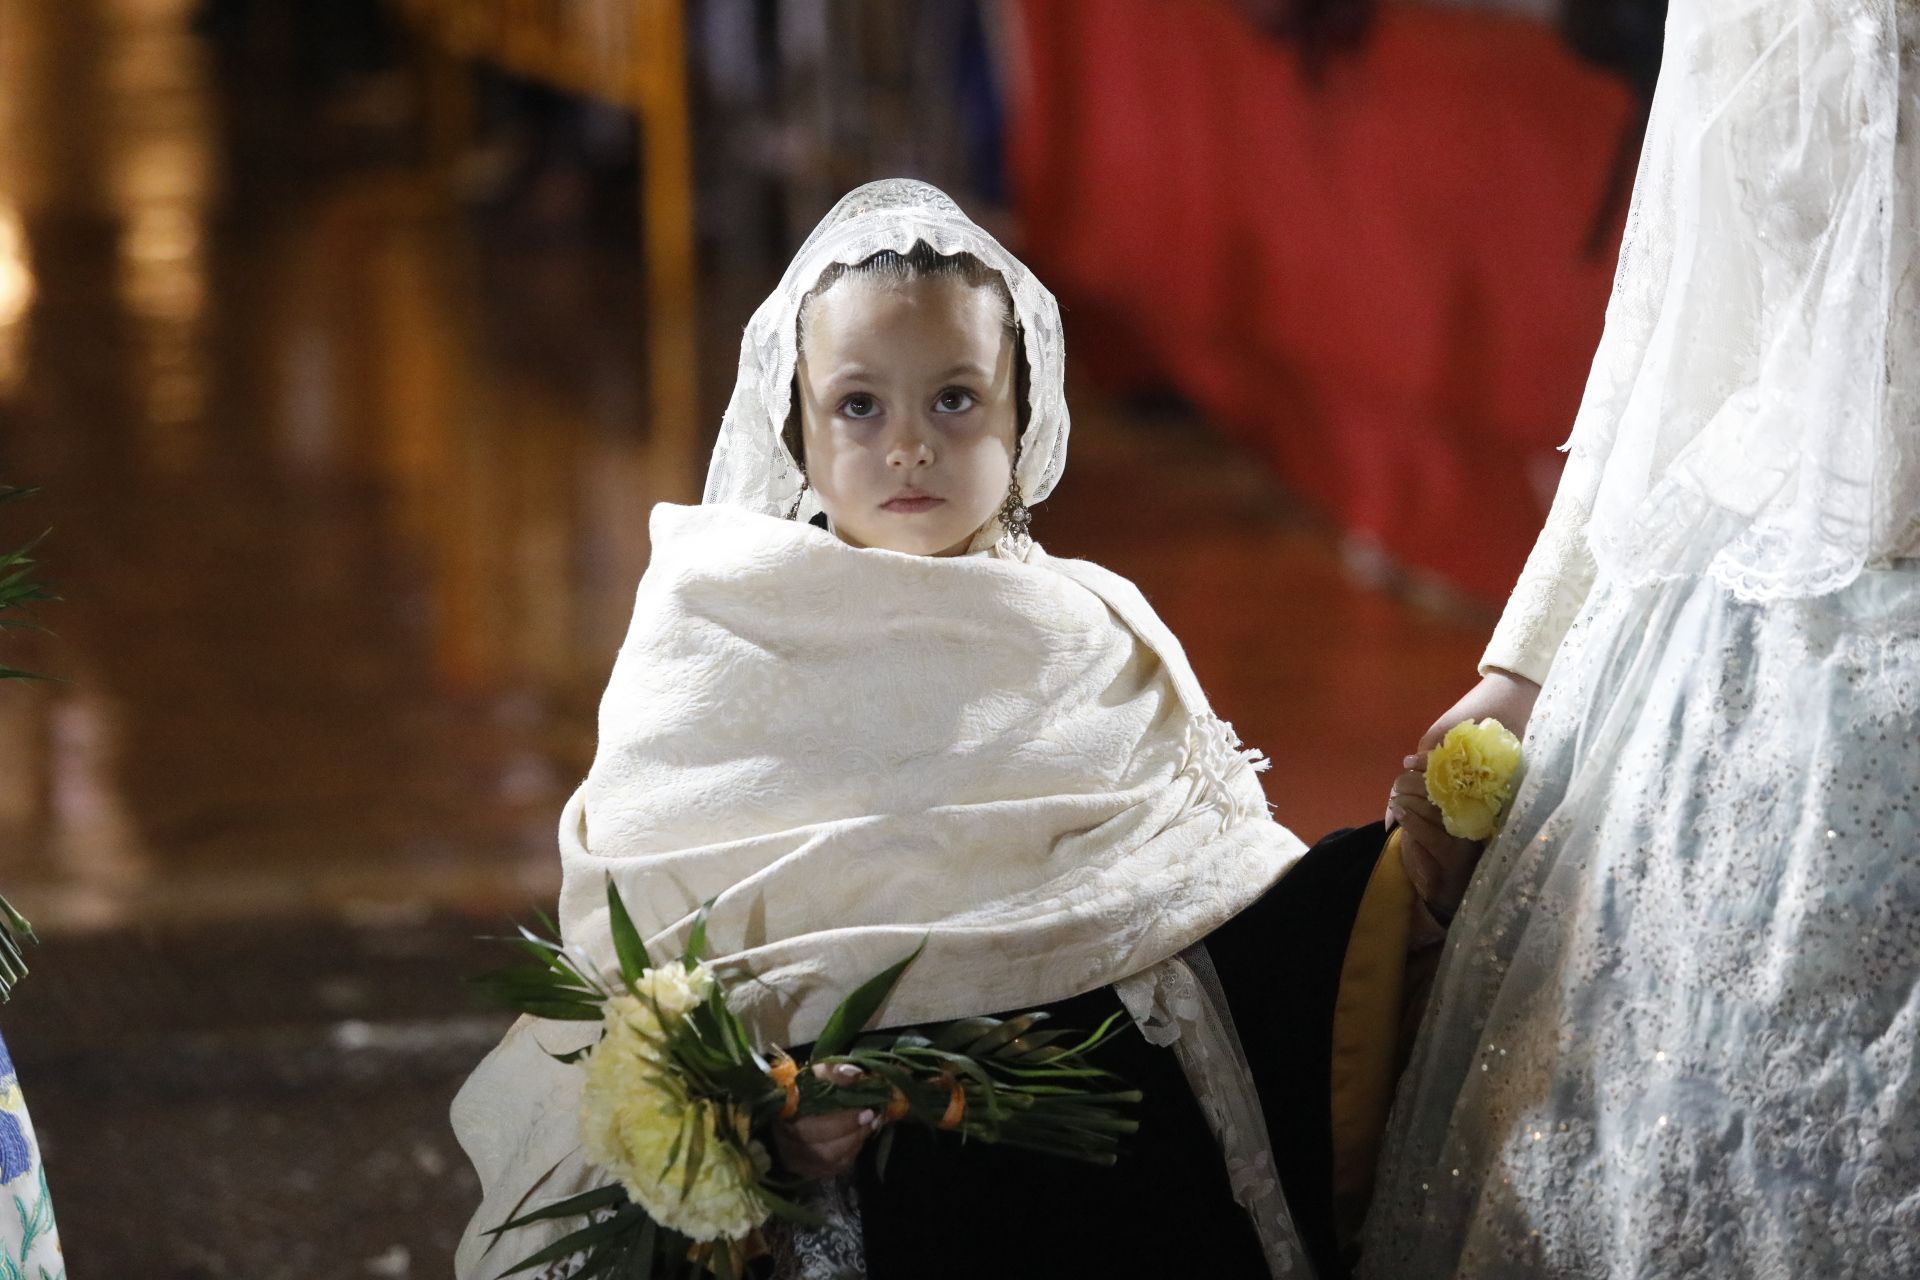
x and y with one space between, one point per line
720 1027
648 1249
627 945
697 936
549 955
787 1210
586 1202
679 1140
10 952
524 987
851 1018
962 1032
610 1254
532 981
745 1083
579 1241
1106 1031
1005 1033
883 1151
696 1155
15 926
560 1012
1038 1047
537 992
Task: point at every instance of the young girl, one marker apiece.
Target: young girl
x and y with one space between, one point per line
1676 1031
859 707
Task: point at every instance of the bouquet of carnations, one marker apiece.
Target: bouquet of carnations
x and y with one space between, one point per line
678 1101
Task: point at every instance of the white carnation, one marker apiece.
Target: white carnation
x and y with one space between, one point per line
673 989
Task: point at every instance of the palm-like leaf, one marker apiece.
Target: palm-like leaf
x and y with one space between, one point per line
18 591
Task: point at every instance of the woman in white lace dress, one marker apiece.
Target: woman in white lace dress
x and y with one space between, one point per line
1676 1030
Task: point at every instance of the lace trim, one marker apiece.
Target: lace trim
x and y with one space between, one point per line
834 1249
1179 1004
750 466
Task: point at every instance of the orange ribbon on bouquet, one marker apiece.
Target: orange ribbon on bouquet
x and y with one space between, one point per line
956 1103
785 1073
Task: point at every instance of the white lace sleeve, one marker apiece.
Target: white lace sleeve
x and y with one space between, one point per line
1554 584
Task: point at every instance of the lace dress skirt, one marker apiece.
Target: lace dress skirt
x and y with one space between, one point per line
1677 1028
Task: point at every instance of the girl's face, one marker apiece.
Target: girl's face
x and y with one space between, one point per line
907 410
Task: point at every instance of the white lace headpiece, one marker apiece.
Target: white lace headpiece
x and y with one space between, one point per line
1755 399
750 465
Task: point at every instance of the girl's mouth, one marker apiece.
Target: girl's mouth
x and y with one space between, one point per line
911 503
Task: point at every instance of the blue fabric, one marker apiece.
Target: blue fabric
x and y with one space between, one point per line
29 1242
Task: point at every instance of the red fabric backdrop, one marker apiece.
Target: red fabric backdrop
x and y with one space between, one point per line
1377 282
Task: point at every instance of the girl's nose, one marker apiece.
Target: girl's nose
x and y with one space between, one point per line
912 450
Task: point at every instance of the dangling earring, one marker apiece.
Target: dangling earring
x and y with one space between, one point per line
1015 521
794 510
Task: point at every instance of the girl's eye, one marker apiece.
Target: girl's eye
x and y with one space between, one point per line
859 405
955 400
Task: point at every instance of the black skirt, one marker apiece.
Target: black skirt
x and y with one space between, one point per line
951 1209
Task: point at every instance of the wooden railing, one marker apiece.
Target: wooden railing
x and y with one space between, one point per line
632 54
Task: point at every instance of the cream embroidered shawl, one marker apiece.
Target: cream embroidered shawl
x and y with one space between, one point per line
846 750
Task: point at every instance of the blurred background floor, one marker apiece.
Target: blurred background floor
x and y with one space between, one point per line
348 486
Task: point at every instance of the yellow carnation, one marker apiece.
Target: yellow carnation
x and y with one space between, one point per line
634 1109
1470 777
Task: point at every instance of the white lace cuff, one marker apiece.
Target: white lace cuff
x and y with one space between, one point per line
1559 573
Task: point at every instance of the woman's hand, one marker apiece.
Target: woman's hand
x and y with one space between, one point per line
825 1146
1500 695
1438 864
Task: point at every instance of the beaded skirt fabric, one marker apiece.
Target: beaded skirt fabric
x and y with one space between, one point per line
1677 1029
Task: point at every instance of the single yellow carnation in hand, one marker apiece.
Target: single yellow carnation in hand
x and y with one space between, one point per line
1470 777
635 1109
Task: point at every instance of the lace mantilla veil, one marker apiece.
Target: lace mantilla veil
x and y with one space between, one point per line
750 465
1752 408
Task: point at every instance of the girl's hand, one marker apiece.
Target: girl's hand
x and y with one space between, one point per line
825 1146
1438 864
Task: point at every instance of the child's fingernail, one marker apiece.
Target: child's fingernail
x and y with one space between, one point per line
866 1119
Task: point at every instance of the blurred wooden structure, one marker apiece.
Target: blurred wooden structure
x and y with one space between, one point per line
632 54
